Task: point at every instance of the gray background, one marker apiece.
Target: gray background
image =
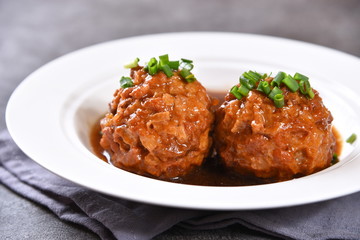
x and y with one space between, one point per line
33 32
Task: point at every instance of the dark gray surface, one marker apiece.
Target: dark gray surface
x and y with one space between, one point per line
22 219
34 32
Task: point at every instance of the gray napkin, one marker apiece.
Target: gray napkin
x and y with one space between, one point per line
113 218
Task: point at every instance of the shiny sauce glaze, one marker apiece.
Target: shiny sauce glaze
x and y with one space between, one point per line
211 173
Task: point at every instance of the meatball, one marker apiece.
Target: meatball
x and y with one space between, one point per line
253 137
159 127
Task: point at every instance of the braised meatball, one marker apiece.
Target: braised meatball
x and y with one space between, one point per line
254 137
159 127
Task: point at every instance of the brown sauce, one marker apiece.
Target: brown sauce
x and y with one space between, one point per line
339 141
211 173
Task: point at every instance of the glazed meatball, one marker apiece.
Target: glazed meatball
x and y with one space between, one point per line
158 127
256 138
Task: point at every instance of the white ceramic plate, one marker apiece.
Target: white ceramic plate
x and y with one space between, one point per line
50 114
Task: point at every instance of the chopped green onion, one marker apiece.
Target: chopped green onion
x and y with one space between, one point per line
126 82
299 76
164 59
303 86
257 75
351 139
133 64
184 73
247 82
310 93
291 83
278 78
254 76
243 90
274 92
279 100
152 66
186 60
190 78
167 70
272 88
187 75
235 91
174 65
335 159
265 75
186 65
164 64
264 87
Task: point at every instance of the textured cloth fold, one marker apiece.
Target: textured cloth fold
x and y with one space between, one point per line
113 218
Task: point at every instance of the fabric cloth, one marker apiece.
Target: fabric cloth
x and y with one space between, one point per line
113 218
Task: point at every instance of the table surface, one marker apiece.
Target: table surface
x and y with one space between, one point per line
34 32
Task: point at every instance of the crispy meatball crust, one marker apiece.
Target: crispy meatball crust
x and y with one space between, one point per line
159 127
254 137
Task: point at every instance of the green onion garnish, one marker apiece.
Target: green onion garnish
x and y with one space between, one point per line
152 66
305 89
299 76
272 88
253 76
303 86
264 87
186 65
278 78
133 64
274 92
187 75
310 93
291 83
184 73
265 75
335 159
247 82
279 100
126 82
235 91
174 65
243 90
190 78
164 59
351 139
167 70
186 60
